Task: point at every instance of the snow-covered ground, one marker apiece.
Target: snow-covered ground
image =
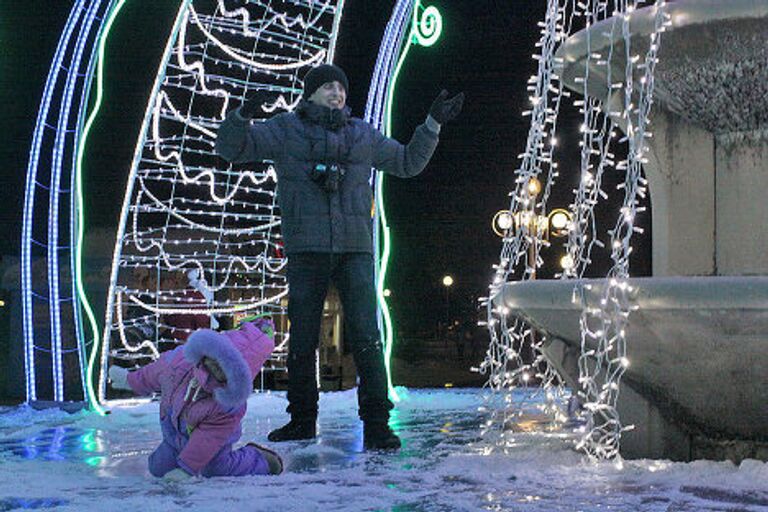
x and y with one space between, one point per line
53 460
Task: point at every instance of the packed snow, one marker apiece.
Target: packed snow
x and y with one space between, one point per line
54 460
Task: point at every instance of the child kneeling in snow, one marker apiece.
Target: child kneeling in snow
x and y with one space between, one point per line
204 386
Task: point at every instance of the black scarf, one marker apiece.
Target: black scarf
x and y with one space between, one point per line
332 119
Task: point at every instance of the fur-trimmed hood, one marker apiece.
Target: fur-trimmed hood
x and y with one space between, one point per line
240 354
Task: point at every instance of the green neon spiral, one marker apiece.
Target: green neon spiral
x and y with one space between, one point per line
427 26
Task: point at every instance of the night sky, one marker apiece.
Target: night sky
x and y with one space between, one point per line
440 220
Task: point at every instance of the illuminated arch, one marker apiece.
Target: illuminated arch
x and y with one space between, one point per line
410 23
50 217
184 210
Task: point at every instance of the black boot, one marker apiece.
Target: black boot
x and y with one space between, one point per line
294 430
378 436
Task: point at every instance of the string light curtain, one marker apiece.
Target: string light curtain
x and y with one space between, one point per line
515 357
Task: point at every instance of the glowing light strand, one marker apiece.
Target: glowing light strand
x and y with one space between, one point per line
603 356
105 347
29 203
424 28
182 210
316 58
73 83
510 338
66 86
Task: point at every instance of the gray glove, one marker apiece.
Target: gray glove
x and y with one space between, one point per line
119 378
176 475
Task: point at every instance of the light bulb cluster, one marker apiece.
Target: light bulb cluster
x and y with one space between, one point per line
185 210
603 320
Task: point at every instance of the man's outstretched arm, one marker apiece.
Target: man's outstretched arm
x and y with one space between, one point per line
238 140
409 160
233 140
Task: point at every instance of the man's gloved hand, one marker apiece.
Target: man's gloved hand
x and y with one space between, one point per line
118 377
443 110
253 101
176 475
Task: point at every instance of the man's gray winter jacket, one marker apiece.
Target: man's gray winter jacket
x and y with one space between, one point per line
313 219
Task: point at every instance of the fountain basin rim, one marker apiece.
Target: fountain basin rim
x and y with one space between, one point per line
641 23
650 293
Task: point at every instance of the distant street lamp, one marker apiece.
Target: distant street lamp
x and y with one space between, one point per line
557 223
502 222
447 282
387 292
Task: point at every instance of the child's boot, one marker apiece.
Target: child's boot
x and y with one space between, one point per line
274 461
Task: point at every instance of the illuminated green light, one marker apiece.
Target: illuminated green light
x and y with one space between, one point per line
90 442
428 27
92 400
394 420
431 23
380 288
95 461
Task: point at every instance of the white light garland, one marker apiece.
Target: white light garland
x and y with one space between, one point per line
245 305
604 319
514 355
603 357
186 209
237 54
285 20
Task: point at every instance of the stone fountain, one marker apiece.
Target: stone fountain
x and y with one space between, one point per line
697 385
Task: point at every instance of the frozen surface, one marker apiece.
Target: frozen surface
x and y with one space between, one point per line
53 460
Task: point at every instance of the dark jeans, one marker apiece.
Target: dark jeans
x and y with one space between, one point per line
309 275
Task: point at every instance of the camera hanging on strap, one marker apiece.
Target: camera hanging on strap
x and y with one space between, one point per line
328 176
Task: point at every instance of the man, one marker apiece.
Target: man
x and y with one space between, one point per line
323 158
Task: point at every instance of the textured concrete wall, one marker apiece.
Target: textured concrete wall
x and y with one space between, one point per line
708 195
681 179
742 208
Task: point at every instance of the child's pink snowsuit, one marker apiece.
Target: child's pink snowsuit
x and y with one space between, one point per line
200 418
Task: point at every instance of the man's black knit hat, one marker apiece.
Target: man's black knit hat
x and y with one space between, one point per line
321 74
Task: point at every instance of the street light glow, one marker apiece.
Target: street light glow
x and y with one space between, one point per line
447 281
559 219
504 221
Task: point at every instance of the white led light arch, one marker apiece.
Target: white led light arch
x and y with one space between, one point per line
410 23
185 209
424 30
54 341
